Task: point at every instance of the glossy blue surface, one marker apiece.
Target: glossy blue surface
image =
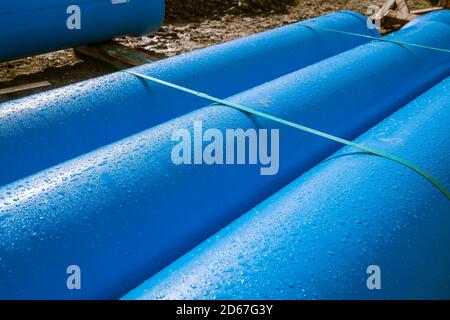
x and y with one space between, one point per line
56 126
316 237
29 27
125 211
437 16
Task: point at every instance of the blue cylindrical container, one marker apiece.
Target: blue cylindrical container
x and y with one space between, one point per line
125 211
356 226
437 16
56 126
30 27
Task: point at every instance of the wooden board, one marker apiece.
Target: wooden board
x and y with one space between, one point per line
117 55
25 87
395 12
426 10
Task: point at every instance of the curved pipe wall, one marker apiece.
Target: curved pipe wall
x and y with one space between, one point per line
61 124
316 238
125 211
436 16
30 27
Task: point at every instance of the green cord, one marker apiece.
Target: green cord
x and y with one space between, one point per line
401 43
246 109
405 163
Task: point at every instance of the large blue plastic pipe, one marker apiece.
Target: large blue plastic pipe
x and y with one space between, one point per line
437 16
64 123
316 238
29 27
125 211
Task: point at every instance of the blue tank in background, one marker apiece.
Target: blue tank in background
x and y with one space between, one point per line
30 27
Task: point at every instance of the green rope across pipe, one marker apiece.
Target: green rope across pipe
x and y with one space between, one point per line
249 110
246 109
401 43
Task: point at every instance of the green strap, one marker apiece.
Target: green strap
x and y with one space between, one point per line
401 43
415 168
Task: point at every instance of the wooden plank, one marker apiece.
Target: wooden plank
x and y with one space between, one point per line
394 13
25 87
426 10
117 55
394 17
388 5
403 10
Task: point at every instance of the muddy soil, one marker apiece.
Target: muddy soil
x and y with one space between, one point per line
195 10
190 25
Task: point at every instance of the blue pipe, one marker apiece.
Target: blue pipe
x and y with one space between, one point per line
125 211
316 238
30 27
437 16
59 125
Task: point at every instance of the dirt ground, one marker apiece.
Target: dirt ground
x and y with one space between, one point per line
190 25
